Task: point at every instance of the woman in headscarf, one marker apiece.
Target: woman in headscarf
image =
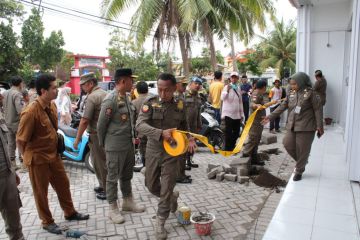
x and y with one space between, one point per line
305 117
65 106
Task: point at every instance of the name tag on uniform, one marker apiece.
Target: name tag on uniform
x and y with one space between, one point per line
297 109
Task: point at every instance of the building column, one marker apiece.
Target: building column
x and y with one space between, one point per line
352 131
303 39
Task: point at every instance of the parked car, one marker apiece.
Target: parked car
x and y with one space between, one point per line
107 86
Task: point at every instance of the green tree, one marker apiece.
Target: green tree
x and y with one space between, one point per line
51 51
9 9
202 65
279 47
250 62
63 68
32 37
125 53
169 18
10 53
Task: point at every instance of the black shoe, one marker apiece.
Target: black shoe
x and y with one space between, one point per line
260 163
101 195
278 131
187 167
244 155
53 228
98 189
184 180
194 165
77 217
297 177
187 176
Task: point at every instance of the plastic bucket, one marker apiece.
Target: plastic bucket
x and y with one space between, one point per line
202 223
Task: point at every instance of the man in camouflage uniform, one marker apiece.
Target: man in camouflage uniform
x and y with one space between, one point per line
13 104
116 133
92 106
159 117
251 147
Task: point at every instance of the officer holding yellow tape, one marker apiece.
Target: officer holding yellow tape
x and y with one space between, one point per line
158 118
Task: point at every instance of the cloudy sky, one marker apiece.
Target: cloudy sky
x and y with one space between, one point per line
92 38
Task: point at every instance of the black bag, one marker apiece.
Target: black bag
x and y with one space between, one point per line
61 143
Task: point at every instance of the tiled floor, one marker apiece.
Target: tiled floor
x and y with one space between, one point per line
322 205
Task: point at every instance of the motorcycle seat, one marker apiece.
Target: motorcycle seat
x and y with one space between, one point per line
68 131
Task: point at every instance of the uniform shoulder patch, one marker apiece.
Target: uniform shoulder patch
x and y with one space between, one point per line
180 105
108 112
145 108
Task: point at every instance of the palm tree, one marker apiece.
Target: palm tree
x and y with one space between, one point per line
233 19
280 47
171 18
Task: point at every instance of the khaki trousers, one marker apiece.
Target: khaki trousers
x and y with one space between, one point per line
298 146
11 137
160 178
99 157
251 146
9 206
181 164
40 177
120 168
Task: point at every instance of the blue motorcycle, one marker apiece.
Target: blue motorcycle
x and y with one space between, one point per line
82 154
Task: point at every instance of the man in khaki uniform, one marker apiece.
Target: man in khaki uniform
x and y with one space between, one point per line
305 116
116 133
143 90
9 195
159 117
13 104
92 106
251 146
193 104
179 94
320 86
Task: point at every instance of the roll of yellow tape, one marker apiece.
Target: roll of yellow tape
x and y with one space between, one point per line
180 145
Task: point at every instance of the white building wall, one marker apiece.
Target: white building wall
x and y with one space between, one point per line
352 134
322 31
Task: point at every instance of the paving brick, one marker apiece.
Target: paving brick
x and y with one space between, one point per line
220 176
230 177
268 138
214 171
239 161
242 179
235 205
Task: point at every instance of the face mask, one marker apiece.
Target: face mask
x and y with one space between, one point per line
234 86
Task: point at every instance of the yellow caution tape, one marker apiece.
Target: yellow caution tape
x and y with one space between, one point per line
179 136
180 145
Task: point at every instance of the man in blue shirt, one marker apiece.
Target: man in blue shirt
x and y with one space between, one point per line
245 89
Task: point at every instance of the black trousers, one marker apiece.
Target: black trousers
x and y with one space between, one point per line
276 122
232 132
246 106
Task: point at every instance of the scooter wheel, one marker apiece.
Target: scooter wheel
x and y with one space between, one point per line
89 162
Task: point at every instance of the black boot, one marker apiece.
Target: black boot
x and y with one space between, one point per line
297 177
191 163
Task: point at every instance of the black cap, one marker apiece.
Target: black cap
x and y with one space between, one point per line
124 72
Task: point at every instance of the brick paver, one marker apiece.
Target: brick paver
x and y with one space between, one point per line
236 206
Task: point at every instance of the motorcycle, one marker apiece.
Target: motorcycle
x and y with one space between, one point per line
82 154
210 127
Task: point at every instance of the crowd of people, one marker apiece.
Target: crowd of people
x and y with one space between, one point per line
115 122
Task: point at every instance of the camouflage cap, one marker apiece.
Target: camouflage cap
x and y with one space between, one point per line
87 77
